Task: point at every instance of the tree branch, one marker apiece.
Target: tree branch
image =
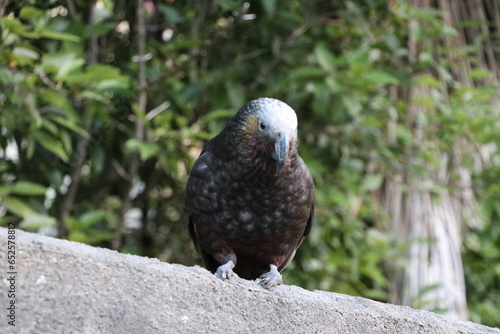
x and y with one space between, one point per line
82 145
71 8
2 8
139 125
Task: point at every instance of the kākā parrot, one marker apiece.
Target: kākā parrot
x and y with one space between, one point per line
250 196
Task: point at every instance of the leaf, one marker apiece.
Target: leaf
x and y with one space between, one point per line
372 182
72 224
17 207
217 114
307 72
92 217
65 138
146 150
171 14
138 113
51 144
97 73
404 134
192 91
428 288
49 126
269 6
15 26
4 191
93 96
28 188
12 24
30 12
60 36
69 124
5 221
98 159
107 85
479 73
91 238
59 100
372 122
236 94
30 149
428 80
24 55
229 4
352 104
380 77
78 236
324 57
36 221
332 83
98 29
61 63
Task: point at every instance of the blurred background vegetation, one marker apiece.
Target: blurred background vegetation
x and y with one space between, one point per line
105 105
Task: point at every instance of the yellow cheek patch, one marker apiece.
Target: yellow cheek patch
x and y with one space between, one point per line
251 125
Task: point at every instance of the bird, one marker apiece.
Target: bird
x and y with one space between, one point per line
250 196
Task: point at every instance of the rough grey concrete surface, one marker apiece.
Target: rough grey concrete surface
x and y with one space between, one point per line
68 287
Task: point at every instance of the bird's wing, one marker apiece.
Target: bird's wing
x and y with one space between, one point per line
306 182
198 175
309 224
210 263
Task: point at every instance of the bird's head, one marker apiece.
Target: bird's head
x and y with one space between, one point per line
265 133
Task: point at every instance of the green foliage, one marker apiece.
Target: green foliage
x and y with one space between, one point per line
482 257
67 106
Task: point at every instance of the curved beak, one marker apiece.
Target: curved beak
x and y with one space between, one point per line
280 153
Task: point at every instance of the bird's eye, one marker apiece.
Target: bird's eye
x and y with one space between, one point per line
262 125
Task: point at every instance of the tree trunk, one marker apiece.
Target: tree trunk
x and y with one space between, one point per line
429 221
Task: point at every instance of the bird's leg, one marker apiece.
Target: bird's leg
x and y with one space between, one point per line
225 271
271 278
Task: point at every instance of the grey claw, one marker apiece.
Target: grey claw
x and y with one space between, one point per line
270 279
225 271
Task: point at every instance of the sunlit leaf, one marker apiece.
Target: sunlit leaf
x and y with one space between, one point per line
24 55
60 36
28 188
17 206
105 85
51 144
37 221
61 63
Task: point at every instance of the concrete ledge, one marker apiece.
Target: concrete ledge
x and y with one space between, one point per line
68 287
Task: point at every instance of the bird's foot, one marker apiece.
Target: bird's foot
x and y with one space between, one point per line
225 271
270 279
